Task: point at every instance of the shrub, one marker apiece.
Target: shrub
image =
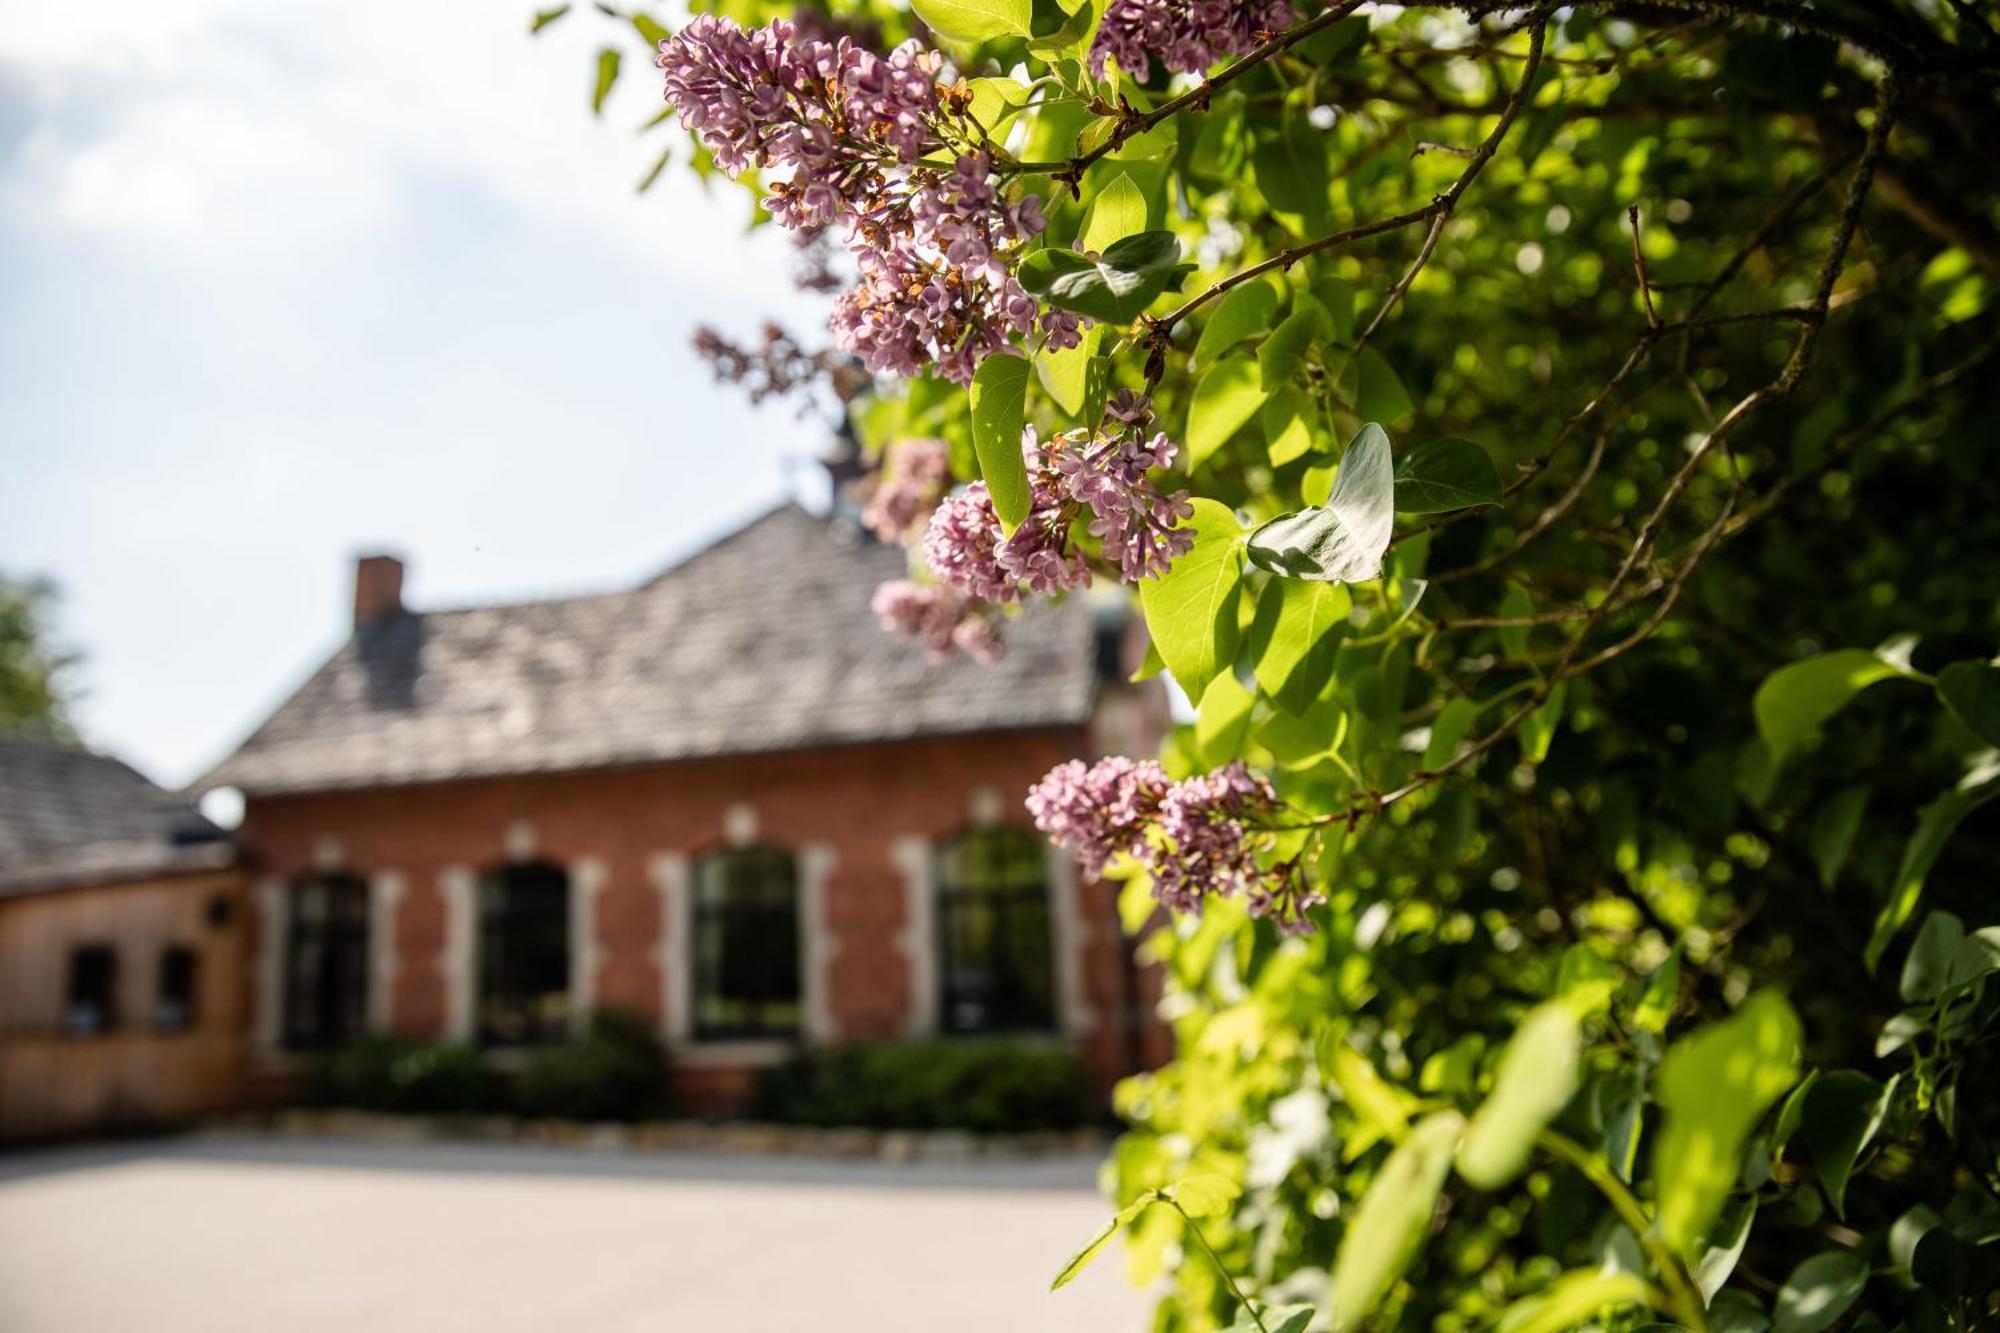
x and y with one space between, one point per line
987 1086
388 1073
616 1071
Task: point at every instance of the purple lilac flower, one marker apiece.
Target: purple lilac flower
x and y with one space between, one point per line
938 616
1102 810
933 247
935 284
1187 36
1138 527
1195 838
915 475
966 548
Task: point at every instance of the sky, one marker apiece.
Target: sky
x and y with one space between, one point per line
284 283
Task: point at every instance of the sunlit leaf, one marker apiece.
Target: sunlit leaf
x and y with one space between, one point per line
1191 609
976 20
1538 1074
1343 541
999 394
1387 1229
1819 1291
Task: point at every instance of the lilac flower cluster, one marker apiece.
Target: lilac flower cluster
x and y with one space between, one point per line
1195 837
1187 36
1105 474
932 246
935 285
914 476
945 621
1138 527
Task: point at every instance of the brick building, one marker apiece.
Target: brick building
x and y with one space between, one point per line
725 801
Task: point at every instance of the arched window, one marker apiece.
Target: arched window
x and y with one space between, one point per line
92 1002
996 960
326 962
524 954
746 944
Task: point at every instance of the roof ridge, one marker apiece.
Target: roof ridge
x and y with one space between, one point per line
787 505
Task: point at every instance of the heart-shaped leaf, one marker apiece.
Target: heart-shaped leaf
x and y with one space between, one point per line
1117 286
1441 475
1343 541
976 20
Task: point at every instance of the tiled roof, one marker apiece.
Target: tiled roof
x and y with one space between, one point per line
68 816
762 642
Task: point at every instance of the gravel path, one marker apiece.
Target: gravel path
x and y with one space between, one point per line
222 1234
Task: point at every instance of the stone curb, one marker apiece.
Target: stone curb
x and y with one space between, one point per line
744 1138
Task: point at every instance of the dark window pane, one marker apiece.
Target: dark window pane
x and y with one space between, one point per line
524 950
173 1009
996 960
326 962
93 991
746 944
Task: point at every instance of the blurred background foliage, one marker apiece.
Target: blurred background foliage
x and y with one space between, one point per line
1680 827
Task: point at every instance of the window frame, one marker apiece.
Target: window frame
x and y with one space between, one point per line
170 956
1025 1009
781 903
513 937
338 1008
73 976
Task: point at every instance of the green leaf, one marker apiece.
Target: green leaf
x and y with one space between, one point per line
1191 609
1585 981
1930 957
1288 344
1388 1227
999 399
650 30
1296 649
607 74
1204 1195
995 100
1290 167
1081 1259
1515 604
976 20
1572 1299
1725 1247
1242 312
1819 1291
652 175
1842 1114
1448 732
1222 723
1371 386
1117 286
1065 375
1442 475
1344 541
1382 1109
1972 691
1538 731
1830 836
1073 38
1287 422
1538 1074
1226 397
1795 700
544 17
1713 1087
1118 211
1656 1001
1936 823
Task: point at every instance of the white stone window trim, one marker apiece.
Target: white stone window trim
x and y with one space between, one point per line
672 877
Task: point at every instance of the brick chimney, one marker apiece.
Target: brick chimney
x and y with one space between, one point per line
378 589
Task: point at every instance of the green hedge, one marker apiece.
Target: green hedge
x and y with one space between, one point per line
987 1086
616 1071
384 1073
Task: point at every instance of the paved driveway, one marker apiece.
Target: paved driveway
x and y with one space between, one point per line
219 1235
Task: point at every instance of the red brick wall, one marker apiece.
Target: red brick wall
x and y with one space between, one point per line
857 801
